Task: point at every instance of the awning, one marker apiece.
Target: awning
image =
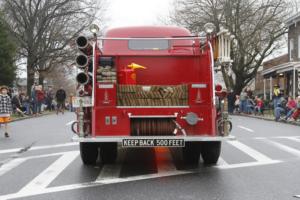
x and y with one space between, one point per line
289 66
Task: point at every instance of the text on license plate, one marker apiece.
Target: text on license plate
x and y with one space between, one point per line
153 143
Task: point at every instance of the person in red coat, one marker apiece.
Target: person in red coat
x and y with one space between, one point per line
40 95
296 113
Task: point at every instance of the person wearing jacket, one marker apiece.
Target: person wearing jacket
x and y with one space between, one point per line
5 108
296 113
40 96
33 99
60 99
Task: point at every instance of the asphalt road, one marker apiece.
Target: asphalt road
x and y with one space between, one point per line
39 161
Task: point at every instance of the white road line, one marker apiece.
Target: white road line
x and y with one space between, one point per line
164 161
17 161
249 151
48 175
248 164
39 184
10 150
283 147
122 180
11 165
245 128
38 147
109 172
290 138
47 155
90 184
222 162
54 146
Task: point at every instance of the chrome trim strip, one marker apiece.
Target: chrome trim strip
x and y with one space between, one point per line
212 72
152 116
199 85
106 86
120 138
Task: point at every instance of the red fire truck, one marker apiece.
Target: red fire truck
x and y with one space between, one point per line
150 87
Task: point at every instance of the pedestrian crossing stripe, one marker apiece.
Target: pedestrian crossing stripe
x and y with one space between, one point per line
110 174
16 150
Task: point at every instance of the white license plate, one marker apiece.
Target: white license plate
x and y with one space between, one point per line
153 143
86 101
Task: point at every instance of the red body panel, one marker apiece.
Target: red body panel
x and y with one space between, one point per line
127 76
183 63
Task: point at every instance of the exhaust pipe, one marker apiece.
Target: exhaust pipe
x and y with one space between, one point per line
82 61
83 44
82 78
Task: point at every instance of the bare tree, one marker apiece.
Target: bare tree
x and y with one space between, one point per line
45 29
62 77
256 25
294 7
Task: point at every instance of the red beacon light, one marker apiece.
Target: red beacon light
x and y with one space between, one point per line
218 88
220 92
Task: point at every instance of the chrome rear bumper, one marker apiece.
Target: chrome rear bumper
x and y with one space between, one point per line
120 138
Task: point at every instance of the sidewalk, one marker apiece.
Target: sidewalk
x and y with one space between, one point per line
15 118
268 117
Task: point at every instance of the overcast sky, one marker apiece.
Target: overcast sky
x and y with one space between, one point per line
136 12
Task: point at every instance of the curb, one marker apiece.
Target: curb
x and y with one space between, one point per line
268 119
30 117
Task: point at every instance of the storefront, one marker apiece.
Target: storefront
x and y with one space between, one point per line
286 75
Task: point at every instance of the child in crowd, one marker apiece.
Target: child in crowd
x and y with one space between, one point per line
296 112
5 108
259 106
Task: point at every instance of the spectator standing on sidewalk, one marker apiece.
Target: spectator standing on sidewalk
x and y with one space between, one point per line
243 101
49 98
40 95
276 96
5 109
33 99
237 104
60 100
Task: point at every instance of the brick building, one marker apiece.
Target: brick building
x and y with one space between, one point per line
283 70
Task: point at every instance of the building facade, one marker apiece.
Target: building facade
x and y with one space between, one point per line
283 70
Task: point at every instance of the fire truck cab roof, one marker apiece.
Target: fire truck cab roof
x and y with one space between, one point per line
148 40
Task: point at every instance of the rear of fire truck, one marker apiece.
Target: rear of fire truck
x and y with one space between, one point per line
150 87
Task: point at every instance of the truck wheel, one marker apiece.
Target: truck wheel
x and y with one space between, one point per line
191 152
108 152
89 153
210 152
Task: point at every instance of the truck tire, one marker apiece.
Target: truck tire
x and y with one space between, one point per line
210 152
108 152
191 152
89 153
